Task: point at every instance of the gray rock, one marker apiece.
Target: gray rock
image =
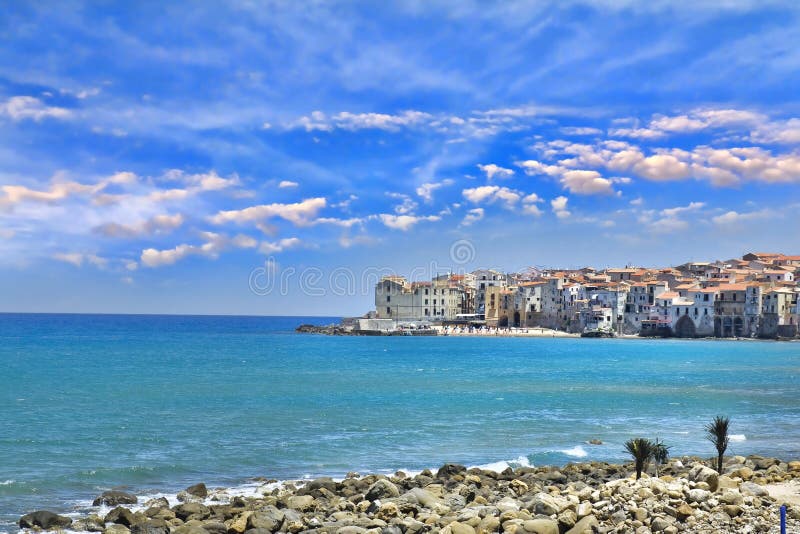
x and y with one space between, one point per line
461 528
215 527
448 470
265 520
191 510
116 529
258 531
189 529
698 495
351 530
115 498
659 524
701 473
121 516
585 526
44 519
382 489
545 504
198 490
423 497
300 502
751 488
540 526
152 526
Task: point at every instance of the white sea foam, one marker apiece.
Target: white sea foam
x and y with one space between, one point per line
499 467
7 482
737 437
576 452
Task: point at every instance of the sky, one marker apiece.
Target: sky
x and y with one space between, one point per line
277 158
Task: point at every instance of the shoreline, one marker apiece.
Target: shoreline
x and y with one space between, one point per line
577 497
531 332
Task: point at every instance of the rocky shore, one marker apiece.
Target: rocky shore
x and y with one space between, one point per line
578 498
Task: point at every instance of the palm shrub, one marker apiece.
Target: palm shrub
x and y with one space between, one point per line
660 453
642 450
717 433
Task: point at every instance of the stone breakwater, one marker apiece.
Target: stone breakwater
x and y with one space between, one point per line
578 498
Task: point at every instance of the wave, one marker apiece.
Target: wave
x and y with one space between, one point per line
7 482
575 452
499 467
737 437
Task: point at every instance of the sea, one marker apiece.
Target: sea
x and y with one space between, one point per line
152 404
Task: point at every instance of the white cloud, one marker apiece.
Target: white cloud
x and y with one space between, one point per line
585 182
472 216
492 193
213 245
78 259
494 171
154 225
279 246
672 212
580 130
19 108
345 120
298 213
404 222
286 184
732 218
559 207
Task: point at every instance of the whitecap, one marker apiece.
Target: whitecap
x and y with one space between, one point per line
499 467
737 437
7 482
576 452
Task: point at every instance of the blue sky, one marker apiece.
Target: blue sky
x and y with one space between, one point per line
274 157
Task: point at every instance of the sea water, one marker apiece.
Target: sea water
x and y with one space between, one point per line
157 403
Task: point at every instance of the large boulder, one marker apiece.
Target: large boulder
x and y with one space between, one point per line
540 526
753 489
198 490
314 487
701 473
151 526
448 470
115 498
44 519
191 510
382 489
121 516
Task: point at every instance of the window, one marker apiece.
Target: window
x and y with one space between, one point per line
388 310
426 303
426 291
388 298
705 297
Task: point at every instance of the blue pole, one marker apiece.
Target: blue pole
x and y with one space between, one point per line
783 519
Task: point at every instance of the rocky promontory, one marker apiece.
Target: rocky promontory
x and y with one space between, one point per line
590 497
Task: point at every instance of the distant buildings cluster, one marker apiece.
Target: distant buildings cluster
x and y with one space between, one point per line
755 296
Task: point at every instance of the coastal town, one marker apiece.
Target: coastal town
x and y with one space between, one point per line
752 297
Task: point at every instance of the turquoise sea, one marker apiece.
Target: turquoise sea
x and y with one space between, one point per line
156 403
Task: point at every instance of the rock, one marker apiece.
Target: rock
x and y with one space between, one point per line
540 526
300 502
585 526
115 498
120 515
44 519
198 490
584 509
191 510
701 473
745 473
684 511
733 510
423 497
189 529
726 482
698 495
152 526
518 487
459 528
594 442
731 497
546 504
351 530
794 465
382 489
269 519
750 488
116 529
215 527
507 504
659 524
314 487
448 470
